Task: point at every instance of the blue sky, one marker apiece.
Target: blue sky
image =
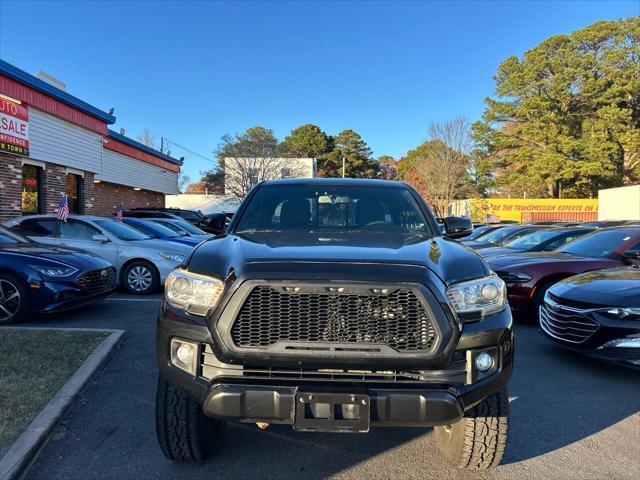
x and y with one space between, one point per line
192 71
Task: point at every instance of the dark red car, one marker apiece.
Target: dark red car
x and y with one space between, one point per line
529 275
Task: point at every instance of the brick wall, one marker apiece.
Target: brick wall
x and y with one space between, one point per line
10 187
88 187
55 185
99 198
107 197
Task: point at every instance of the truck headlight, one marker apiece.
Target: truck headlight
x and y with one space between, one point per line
191 292
483 296
174 257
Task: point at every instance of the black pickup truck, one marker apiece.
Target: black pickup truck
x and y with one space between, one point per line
335 305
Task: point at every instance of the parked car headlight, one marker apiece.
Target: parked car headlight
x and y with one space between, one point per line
55 272
515 277
174 257
625 313
191 292
483 296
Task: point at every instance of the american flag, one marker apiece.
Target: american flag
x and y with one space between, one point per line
63 209
491 218
119 213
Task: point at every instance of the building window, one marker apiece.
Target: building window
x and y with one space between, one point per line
32 190
74 193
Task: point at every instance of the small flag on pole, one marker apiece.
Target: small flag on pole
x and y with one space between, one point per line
119 212
63 209
491 218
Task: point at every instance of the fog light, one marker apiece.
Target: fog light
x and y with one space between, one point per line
484 362
185 354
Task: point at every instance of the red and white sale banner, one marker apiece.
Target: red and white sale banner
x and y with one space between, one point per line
14 127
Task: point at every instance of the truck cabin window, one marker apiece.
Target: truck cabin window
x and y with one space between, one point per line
344 208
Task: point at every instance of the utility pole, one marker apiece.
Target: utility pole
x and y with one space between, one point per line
161 144
343 165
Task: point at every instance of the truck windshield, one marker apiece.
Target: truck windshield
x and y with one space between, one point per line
314 208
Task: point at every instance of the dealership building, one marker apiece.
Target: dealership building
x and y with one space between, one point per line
52 143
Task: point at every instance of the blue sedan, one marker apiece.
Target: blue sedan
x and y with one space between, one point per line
156 230
42 278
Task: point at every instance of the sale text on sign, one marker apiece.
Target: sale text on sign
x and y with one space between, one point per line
14 127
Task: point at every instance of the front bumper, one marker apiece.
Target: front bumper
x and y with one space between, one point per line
389 407
440 397
596 347
53 297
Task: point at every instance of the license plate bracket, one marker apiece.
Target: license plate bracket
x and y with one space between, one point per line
332 412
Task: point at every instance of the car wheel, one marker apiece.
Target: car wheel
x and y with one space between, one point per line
185 434
477 442
13 299
140 277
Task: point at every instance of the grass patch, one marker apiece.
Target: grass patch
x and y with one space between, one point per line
34 365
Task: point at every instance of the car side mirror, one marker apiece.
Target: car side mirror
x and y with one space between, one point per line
457 227
98 237
217 223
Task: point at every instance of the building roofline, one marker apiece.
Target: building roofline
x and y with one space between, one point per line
34 82
140 146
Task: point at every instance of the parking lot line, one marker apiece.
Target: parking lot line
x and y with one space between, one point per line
127 299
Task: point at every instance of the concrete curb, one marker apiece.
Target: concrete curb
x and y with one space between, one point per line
26 448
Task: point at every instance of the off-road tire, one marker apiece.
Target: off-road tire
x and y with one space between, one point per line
185 434
477 442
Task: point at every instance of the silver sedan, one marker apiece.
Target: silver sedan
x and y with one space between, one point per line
142 263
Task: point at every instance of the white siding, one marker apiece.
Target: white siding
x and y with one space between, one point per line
56 141
123 170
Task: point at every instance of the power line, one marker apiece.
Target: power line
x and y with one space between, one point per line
190 151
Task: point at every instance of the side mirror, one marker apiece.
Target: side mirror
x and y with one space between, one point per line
217 223
457 227
98 237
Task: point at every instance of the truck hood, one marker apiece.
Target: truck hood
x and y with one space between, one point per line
447 259
70 256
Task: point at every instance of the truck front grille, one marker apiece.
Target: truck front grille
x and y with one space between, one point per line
391 317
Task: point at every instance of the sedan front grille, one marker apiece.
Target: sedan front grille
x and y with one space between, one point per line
568 323
95 281
392 317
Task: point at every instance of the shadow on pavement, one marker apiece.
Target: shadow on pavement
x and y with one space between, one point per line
562 397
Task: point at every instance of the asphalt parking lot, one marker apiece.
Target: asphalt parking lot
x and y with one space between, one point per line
571 417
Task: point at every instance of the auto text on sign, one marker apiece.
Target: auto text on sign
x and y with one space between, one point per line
14 127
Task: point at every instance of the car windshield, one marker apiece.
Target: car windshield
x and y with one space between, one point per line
531 240
154 229
186 226
120 230
600 244
9 237
343 208
495 236
174 228
478 231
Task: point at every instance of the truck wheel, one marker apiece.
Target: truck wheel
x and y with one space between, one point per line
477 441
185 434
